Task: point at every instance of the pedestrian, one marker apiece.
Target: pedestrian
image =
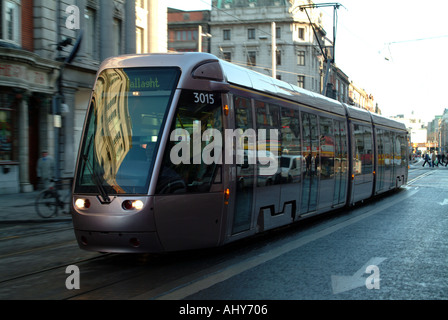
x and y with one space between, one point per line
439 159
45 169
426 158
433 159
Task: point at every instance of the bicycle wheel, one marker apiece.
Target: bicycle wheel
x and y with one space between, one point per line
65 205
46 205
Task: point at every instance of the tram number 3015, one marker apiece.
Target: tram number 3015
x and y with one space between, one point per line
200 97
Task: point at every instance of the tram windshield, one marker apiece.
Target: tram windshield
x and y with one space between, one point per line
123 129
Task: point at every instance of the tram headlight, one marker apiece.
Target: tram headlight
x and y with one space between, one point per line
132 204
82 203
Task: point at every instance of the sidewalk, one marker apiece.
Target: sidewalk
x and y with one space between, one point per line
19 208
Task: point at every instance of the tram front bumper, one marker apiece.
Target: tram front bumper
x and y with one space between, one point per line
118 242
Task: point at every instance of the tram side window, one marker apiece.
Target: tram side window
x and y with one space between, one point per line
363 158
326 147
184 169
403 141
267 117
290 160
400 151
368 150
381 159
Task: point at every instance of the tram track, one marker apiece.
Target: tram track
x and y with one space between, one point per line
40 248
11 237
53 268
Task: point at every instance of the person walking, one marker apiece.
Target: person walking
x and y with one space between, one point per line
426 158
433 159
45 169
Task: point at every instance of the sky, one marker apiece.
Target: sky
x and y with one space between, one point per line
393 49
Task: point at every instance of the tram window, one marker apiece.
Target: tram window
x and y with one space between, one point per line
363 158
381 159
326 147
403 150
368 150
290 161
340 161
397 151
267 117
192 174
359 149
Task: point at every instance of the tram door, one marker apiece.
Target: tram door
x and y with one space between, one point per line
310 155
340 163
244 171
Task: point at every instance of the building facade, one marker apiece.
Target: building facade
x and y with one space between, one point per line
241 33
437 133
183 30
27 85
338 85
358 97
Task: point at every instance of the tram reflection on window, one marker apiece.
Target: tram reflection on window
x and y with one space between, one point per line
127 112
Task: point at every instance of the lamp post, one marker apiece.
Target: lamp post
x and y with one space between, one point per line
200 35
58 100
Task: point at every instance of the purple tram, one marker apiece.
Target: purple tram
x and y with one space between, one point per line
186 151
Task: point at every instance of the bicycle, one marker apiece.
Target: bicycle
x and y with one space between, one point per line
48 202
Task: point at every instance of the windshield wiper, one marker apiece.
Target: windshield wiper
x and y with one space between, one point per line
96 180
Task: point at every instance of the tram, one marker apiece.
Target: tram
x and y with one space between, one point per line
183 151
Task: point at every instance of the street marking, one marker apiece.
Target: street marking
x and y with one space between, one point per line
189 287
444 203
420 177
346 283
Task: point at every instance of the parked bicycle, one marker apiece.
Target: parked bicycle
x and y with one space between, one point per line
54 199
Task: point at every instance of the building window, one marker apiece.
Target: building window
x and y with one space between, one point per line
227 56
117 37
10 21
140 38
302 33
278 57
301 81
186 35
89 36
278 33
251 34
251 58
226 34
301 58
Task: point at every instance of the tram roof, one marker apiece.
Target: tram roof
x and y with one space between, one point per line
251 79
240 76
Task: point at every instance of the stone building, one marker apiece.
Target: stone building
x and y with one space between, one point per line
183 30
241 33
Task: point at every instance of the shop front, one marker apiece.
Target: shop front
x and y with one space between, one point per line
27 87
